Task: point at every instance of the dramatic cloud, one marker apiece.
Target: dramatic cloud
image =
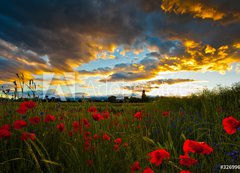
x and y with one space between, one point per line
211 9
69 33
59 36
186 55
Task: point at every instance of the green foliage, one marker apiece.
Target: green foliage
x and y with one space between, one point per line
196 117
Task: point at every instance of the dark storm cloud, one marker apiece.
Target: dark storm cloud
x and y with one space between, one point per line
14 60
68 29
72 32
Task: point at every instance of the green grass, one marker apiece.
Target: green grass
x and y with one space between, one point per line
197 117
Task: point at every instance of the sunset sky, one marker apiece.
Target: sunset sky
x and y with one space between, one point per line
119 47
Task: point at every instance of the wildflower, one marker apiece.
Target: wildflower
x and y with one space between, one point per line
5 133
70 133
87 134
135 167
166 113
148 170
87 145
5 126
25 106
138 115
86 123
97 117
27 135
106 137
116 147
96 136
157 156
105 114
49 118
230 125
186 160
196 147
75 125
185 171
22 110
19 124
34 120
60 127
234 154
30 104
118 141
92 109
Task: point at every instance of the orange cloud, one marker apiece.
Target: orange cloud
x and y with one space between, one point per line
196 8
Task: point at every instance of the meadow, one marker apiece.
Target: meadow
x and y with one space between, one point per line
190 134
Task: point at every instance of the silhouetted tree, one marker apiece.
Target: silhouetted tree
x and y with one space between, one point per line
126 99
112 99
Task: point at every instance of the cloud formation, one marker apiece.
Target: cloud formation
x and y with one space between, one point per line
212 9
59 35
155 84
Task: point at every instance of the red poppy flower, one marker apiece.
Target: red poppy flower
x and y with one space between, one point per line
184 171
92 109
34 120
196 147
148 170
75 125
230 125
186 160
116 147
96 136
138 115
135 167
6 127
24 106
105 114
166 113
4 133
106 137
70 133
60 127
118 141
157 156
87 145
22 110
97 117
86 123
19 124
27 135
30 104
49 118
87 134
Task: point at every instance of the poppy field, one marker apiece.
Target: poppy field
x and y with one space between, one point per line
190 134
